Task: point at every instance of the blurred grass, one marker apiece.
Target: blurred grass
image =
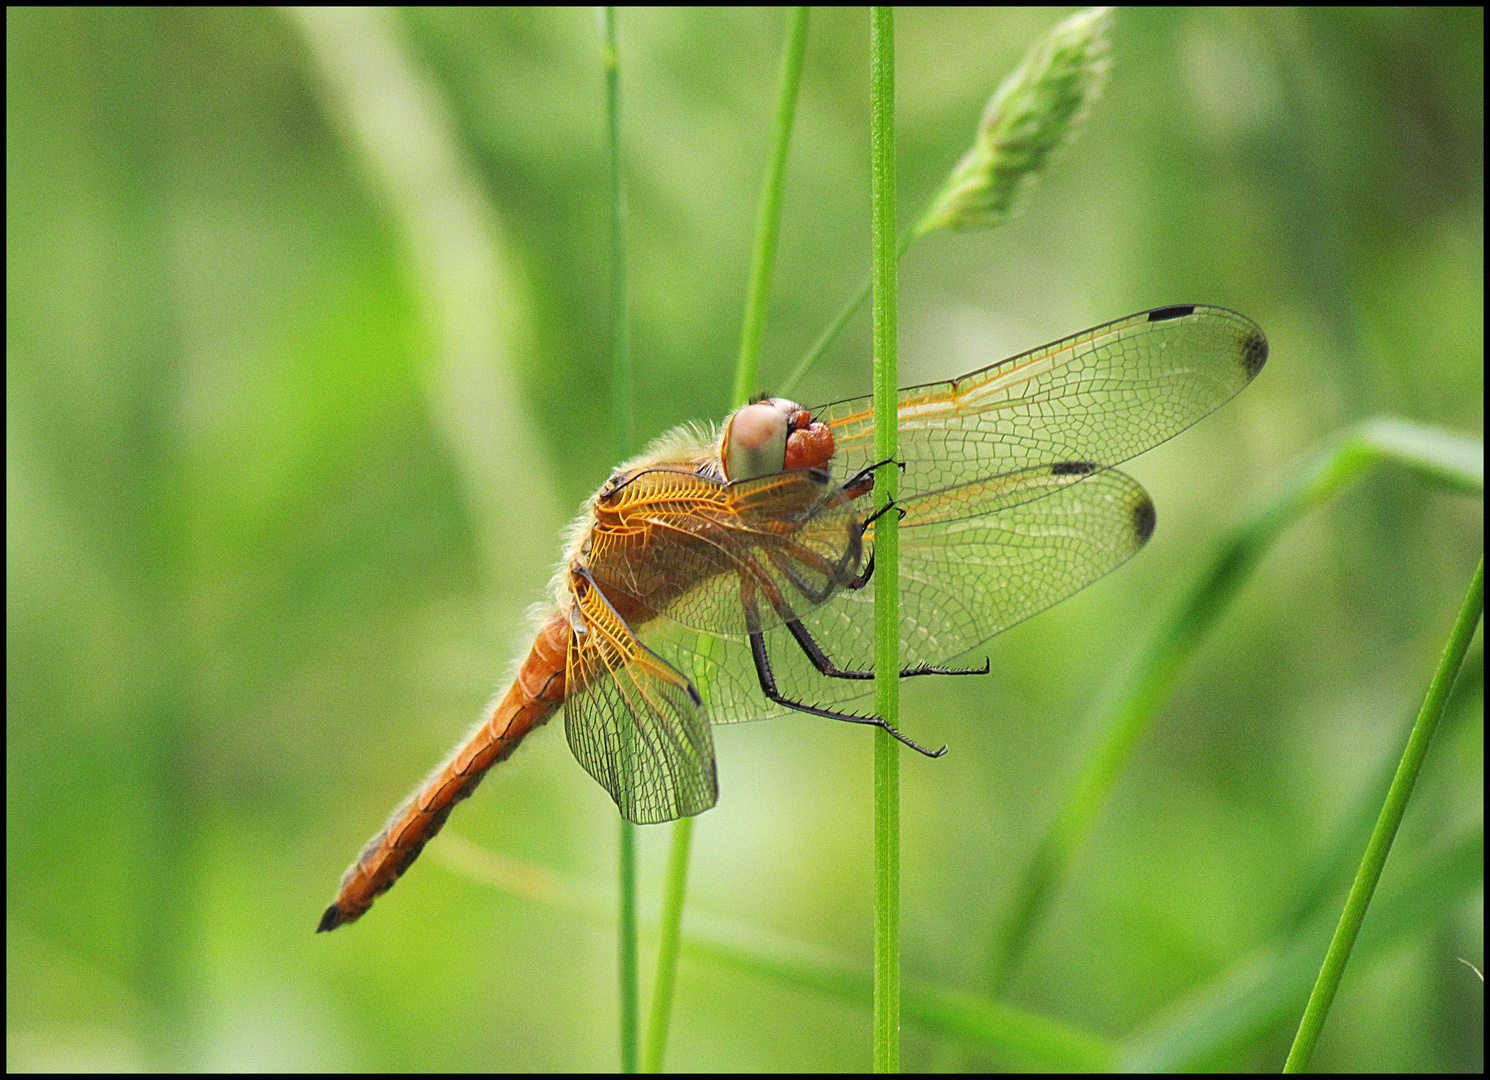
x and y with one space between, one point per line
1440 457
251 596
1393 807
622 394
747 368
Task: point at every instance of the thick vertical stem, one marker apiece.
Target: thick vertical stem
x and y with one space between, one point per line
621 389
627 965
886 549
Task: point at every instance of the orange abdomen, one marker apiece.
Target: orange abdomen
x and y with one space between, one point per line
533 697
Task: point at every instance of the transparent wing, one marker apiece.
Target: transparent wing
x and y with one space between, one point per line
977 558
1100 396
633 721
723 670
974 560
695 550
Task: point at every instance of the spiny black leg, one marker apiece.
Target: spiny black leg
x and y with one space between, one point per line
792 574
880 513
929 669
862 578
875 721
825 665
820 659
768 688
862 481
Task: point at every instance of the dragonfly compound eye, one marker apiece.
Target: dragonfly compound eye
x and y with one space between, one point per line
755 441
809 446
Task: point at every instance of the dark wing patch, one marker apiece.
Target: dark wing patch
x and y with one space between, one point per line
1145 517
1073 468
1254 353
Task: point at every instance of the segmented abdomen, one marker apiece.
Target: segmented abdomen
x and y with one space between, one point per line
534 696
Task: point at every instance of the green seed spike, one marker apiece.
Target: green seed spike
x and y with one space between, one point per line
1035 110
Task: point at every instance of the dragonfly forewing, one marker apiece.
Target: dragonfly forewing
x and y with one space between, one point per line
1100 396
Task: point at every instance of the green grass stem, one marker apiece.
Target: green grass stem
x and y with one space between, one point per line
1265 989
1439 456
1392 811
886 546
768 230
768 218
627 963
667 947
620 352
621 427
1222 1016
1037 109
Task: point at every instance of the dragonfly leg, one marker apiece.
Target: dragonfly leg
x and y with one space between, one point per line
862 578
834 574
872 518
768 688
749 583
824 663
862 482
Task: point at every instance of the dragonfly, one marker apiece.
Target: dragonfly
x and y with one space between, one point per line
730 576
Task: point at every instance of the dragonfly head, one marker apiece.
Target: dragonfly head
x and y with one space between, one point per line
771 435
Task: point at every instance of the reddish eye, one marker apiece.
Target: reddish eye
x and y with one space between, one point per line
809 447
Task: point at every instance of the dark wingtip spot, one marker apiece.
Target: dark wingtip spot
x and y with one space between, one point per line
694 694
1073 468
1177 312
1254 353
331 918
1144 519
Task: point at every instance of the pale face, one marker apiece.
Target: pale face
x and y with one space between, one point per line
770 436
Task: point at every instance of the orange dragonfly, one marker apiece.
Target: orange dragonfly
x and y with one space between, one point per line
717 579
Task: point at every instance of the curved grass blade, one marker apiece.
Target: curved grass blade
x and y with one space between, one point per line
1040 1041
1442 457
1392 811
768 228
1225 1014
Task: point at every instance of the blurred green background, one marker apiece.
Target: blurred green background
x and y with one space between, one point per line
272 520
